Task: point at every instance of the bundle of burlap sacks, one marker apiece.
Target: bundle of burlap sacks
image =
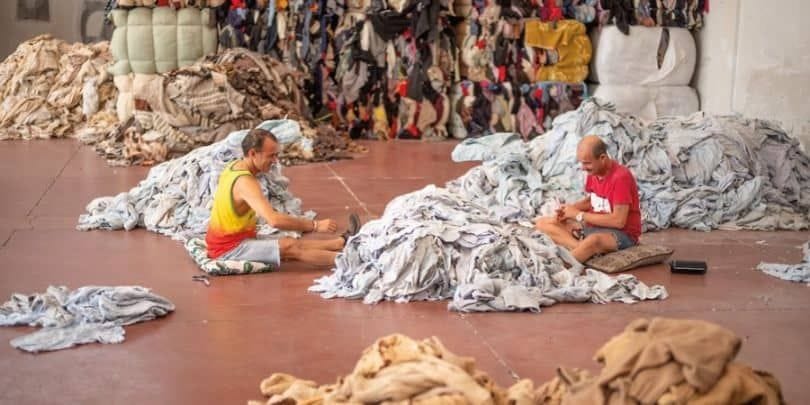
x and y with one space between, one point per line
658 361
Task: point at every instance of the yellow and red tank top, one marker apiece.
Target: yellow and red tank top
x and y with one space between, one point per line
226 228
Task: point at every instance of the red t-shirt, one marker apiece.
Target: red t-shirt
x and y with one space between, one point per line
618 187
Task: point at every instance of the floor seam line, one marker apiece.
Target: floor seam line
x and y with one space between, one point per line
346 186
13 231
50 186
491 349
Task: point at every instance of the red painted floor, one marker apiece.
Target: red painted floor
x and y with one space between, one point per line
224 339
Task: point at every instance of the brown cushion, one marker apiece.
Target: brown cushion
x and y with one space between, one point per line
630 258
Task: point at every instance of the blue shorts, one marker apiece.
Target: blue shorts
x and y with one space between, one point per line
256 250
623 240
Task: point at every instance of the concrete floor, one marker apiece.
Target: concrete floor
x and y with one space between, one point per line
223 340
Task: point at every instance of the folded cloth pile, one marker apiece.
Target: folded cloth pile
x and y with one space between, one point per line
666 361
799 273
196 105
658 361
699 172
175 198
50 89
435 244
85 315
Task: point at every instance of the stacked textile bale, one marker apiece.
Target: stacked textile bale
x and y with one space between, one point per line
395 69
173 98
657 361
193 106
299 33
394 65
525 65
170 3
520 86
645 62
652 13
50 88
148 41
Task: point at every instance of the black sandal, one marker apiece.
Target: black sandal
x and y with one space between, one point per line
354 227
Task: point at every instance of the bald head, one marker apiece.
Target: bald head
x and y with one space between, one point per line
592 144
592 156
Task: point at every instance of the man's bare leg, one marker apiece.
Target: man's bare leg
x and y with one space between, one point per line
594 244
560 232
334 245
293 250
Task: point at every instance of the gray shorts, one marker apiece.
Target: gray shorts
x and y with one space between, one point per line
623 240
256 250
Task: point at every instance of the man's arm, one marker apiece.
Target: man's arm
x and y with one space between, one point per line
616 219
621 199
583 204
248 189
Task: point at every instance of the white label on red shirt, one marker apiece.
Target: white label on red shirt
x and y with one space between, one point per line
599 204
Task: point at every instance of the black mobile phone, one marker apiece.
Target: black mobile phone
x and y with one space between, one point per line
688 266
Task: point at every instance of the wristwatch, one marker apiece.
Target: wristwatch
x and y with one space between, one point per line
581 217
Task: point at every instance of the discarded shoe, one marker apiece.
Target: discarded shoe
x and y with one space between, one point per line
354 227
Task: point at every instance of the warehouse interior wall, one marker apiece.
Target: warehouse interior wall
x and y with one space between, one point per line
754 59
71 20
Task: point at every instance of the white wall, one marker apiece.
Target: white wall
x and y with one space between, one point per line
754 59
65 23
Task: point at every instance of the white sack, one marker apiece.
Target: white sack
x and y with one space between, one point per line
125 104
633 59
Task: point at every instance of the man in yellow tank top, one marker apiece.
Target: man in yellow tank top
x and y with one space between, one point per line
238 200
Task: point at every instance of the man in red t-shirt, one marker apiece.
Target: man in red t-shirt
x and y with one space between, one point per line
609 218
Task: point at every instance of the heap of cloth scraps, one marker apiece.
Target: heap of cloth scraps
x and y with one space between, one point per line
666 361
50 89
436 244
85 315
398 369
799 273
699 172
473 241
658 361
193 106
176 196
